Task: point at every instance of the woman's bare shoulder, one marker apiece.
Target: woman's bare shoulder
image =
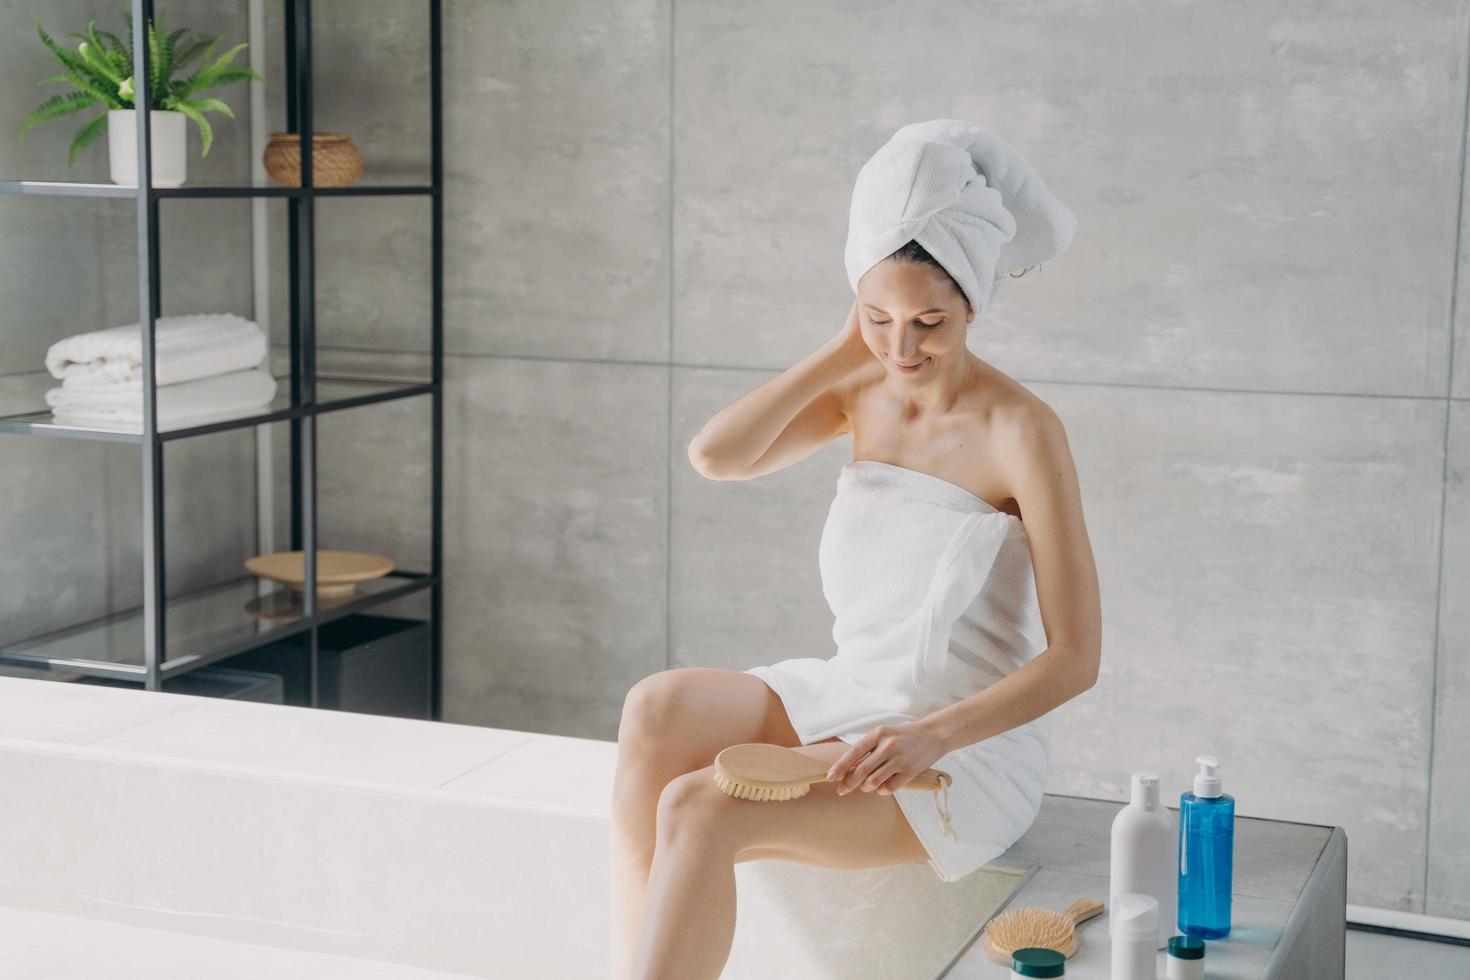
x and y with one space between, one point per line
1001 398
1019 420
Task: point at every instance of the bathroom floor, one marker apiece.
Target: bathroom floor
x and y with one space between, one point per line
1375 956
65 947
68 947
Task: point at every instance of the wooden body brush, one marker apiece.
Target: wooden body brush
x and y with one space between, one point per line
1032 925
761 771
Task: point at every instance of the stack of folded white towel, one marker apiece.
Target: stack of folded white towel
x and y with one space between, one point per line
206 364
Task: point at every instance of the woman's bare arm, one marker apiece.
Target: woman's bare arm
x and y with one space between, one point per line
787 418
1044 480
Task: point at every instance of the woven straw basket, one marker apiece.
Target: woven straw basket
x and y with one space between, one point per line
335 161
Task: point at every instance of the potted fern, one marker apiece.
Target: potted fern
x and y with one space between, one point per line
102 74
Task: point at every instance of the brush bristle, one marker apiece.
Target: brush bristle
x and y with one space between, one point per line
1029 926
753 791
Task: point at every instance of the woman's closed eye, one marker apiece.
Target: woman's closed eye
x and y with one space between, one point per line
884 323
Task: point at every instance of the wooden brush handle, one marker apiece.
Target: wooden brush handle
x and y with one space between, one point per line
1083 909
764 765
928 779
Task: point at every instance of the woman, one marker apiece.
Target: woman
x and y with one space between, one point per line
940 596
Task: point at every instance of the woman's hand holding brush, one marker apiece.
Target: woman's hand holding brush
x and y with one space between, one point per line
889 757
885 759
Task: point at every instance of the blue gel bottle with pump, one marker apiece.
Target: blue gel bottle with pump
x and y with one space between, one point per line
1206 851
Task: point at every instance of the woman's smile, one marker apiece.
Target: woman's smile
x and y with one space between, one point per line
906 369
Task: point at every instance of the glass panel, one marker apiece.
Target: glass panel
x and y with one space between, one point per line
370 68
994 890
58 534
374 481
43 155
372 77
373 499
374 287
67 265
197 622
231 615
366 662
227 499
376 310
329 392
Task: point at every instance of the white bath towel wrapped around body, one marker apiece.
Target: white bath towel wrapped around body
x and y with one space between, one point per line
934 599
202 400
186 348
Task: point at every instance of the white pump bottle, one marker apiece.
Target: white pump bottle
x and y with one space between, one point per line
1145 849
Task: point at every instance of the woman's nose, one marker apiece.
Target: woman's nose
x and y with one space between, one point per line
907 343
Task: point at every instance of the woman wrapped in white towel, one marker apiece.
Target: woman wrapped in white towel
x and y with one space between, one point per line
954 557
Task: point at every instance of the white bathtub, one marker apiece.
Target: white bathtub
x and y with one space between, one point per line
162 835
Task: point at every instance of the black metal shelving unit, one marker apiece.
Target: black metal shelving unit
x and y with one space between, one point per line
134 644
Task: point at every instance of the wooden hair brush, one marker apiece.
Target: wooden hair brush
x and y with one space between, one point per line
1032 925
761 771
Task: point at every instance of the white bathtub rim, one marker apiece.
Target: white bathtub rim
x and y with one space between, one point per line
439 794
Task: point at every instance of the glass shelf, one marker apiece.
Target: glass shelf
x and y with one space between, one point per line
363 186
66 188
332 394
200 627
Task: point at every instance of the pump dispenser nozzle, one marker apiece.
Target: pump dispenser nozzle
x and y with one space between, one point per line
1207 780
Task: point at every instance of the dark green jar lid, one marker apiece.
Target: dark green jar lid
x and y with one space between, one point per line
1038 961
1187 947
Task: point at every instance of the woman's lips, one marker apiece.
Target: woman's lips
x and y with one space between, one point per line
910 370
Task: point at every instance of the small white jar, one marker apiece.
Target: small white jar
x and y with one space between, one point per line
1186 958
1134 931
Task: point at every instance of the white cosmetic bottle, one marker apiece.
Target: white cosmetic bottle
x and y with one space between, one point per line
1145 847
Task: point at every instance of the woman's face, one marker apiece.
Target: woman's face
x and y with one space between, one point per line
911 314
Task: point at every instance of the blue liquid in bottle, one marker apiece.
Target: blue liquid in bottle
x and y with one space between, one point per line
1206 852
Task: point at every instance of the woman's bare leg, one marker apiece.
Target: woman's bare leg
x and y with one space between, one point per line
702 834
674 722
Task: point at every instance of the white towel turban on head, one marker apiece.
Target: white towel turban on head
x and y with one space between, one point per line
963 193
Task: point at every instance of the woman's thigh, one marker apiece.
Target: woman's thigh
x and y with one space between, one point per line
692 713
858 830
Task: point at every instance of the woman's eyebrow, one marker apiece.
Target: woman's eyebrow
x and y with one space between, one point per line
936 309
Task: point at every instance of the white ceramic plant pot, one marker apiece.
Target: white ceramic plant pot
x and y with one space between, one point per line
169 142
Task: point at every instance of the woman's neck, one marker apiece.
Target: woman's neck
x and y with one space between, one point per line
937 399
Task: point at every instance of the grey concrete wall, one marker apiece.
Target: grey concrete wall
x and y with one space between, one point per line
1251 342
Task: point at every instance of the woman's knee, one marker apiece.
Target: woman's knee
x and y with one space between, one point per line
649 706
680 719
693 803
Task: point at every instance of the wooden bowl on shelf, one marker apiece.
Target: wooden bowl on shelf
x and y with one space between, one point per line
337 572
335 160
